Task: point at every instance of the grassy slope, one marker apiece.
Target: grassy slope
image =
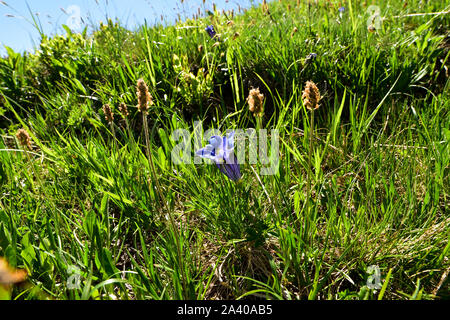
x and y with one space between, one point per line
380 163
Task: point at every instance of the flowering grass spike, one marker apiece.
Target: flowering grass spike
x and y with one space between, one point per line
24 138
311 96
255 101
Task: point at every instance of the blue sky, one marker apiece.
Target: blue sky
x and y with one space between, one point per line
18 32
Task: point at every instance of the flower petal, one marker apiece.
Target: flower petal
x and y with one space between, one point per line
232 171
230 168
230 140
228 145
216 141
208 152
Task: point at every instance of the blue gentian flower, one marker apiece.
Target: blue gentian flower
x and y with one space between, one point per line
341 9
221 151
211 31
310 57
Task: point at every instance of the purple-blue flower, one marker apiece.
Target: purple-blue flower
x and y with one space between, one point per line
310 57
341 9
221 151
211 31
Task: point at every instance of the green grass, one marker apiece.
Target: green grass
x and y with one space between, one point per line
85 199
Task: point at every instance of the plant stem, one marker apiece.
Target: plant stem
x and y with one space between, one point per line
113 132
161 199
309 172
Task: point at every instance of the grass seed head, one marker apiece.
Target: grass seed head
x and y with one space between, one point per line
265 7
109 115
311 96
123 110
24 138
255 101
145 99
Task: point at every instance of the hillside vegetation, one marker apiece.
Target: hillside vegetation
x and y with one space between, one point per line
93 207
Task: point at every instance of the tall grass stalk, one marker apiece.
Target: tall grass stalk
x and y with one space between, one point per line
162 202
309 171
311 97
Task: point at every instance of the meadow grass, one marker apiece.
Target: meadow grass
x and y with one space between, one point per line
98 210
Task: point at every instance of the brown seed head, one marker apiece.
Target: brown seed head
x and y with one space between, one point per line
109 115
311 96
255 101
264 6
24 138
123 109
145 99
